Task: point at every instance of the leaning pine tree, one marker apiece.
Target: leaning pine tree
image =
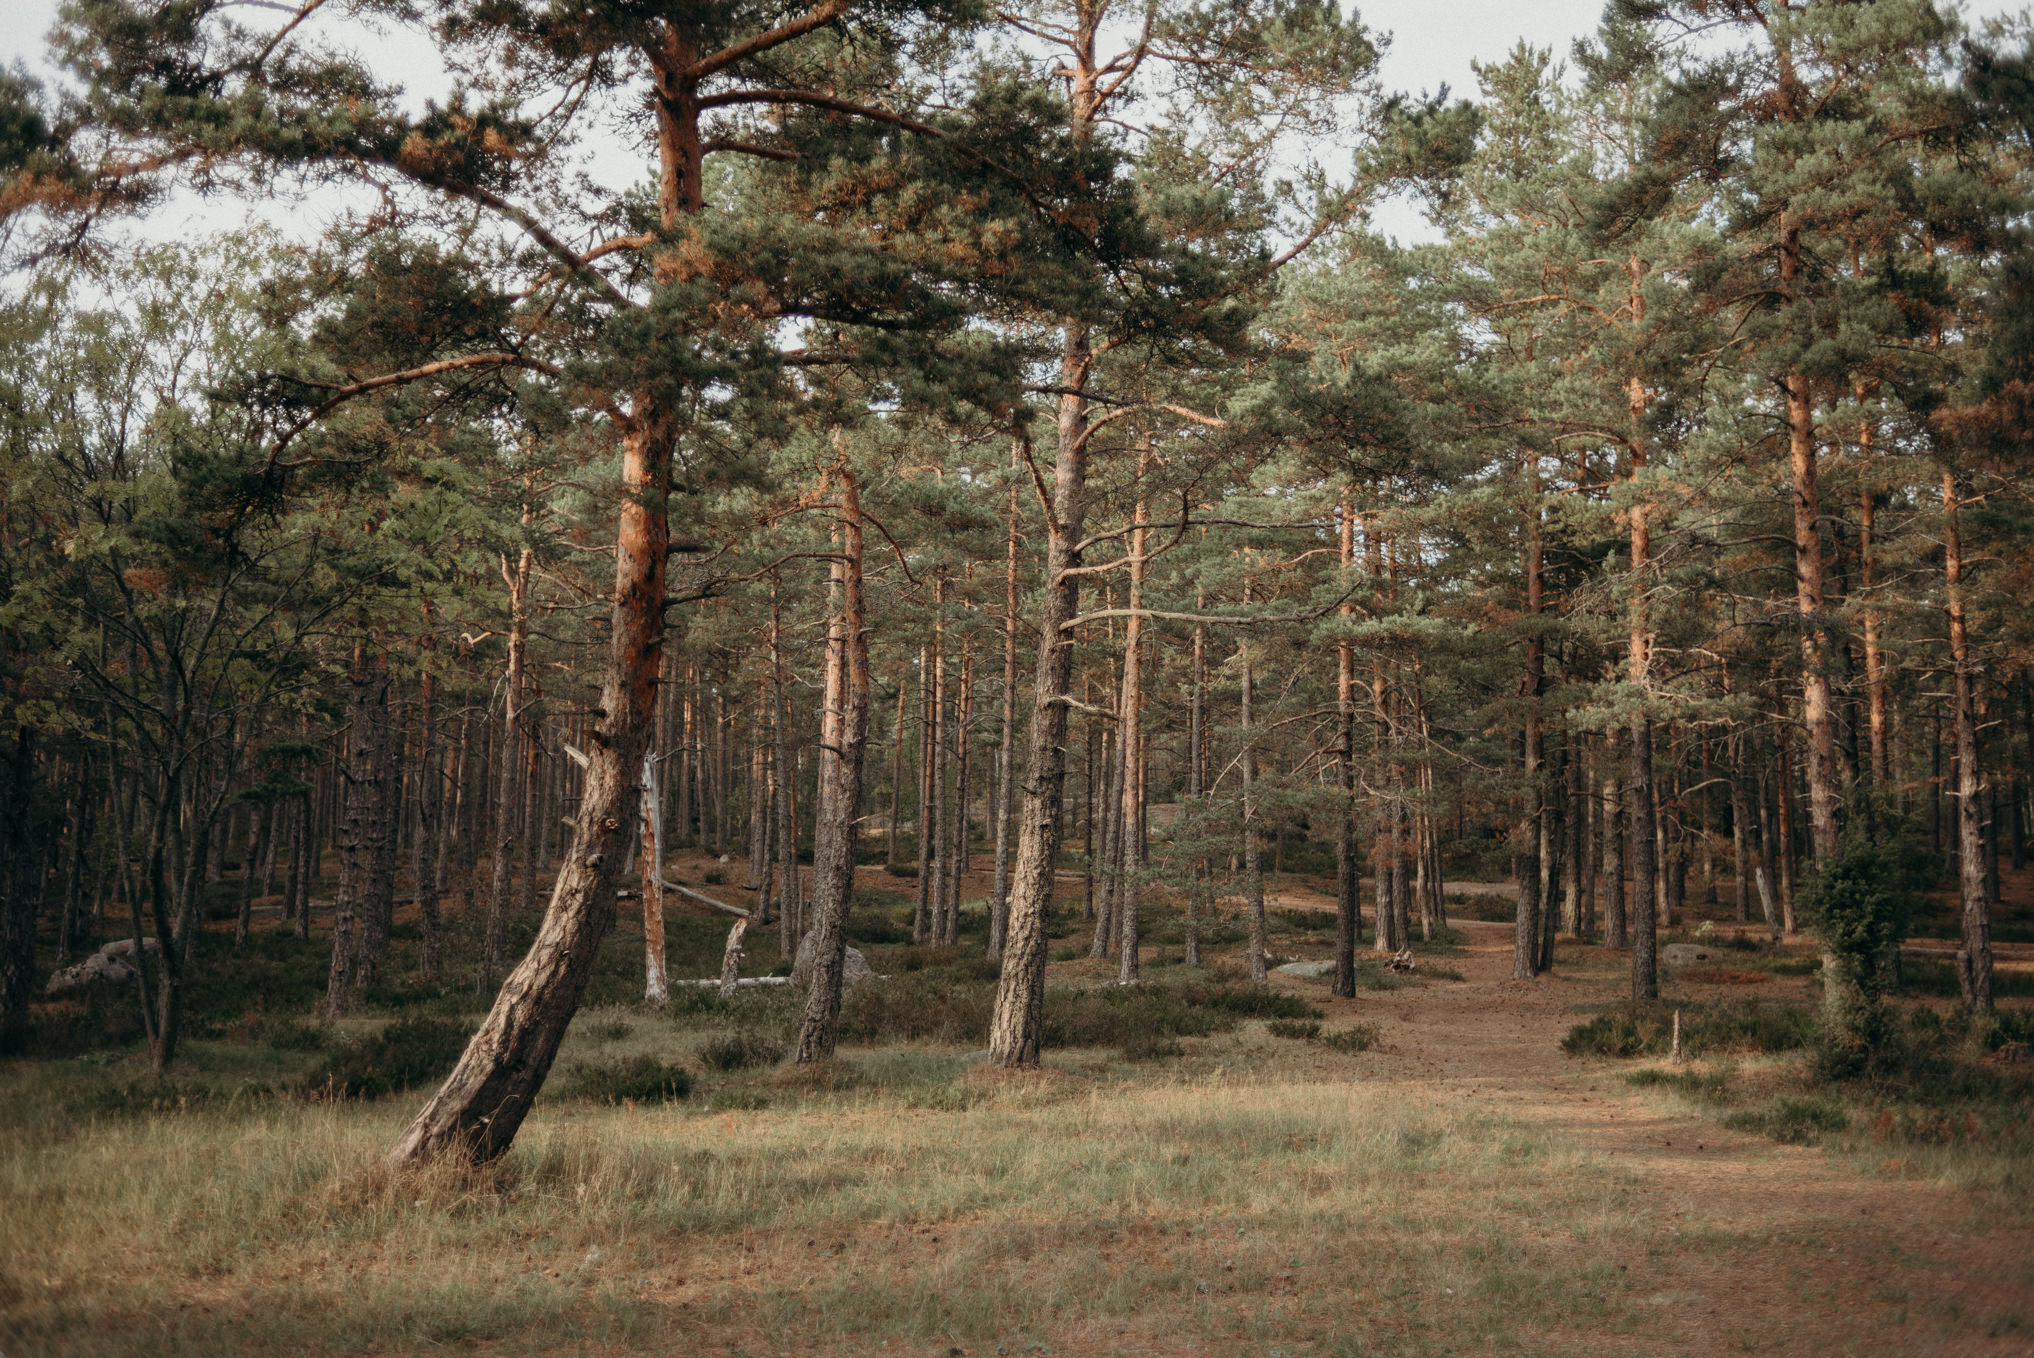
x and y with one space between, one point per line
655 317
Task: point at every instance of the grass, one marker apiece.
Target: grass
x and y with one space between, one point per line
1938 1100
919 1208
1202 1164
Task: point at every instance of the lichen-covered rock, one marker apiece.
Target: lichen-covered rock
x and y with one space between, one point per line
111 965
856 968
1690 954
1313 970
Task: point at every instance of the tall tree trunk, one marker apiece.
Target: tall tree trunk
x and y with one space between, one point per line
897 771
963 768
427 862
1109 834
1019 1020
1006 744
840 781
1197 783
357 819
1818 715
1645 983
1614 914
20 881
250 875
792 925
376 912
508 801
1974 958
1740 827
1253 850
1348 872
1133 728
936 822
1531 832
479 1108
928 745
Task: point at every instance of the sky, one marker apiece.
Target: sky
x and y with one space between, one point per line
1433 44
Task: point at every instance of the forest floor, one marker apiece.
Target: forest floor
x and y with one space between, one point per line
1442 1179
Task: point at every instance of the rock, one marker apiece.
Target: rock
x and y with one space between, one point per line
1690 954
108 966
1307 969
855 969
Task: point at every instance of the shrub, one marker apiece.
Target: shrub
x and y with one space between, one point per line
408 1052
638 1079
715 877
739 1051
1647 1030
918 1006
291 1035
1150 1046
1126 1016
1796 1121
608 1030
1359 1037
1248 1001
1861 903
1304 1030
690 1001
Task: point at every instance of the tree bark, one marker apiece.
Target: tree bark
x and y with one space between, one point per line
508 802
426 863
1974 958
840 782
1348 872
1015 1030
999 898
478 1110
1133 729
1253 852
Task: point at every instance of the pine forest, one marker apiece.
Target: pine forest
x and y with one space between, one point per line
850 676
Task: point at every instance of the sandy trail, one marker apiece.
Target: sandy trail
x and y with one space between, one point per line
1823 1257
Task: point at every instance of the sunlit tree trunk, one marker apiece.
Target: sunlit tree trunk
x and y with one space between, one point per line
840 779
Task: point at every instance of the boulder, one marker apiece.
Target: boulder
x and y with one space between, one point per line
1690 954
855 969
1311 970
108 966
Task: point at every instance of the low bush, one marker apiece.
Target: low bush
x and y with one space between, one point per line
918 1006
1304 1030
740 1051
1800 1121
1647 1030
1358 1037
291 1035
1247 1001
407 1052
607 1030
1695 1083
635 1079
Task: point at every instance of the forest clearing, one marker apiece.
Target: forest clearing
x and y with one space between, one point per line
845 676
1453 1183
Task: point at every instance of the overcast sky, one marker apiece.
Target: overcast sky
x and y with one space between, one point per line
1432 43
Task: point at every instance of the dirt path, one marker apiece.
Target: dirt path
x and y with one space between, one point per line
1821 1258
